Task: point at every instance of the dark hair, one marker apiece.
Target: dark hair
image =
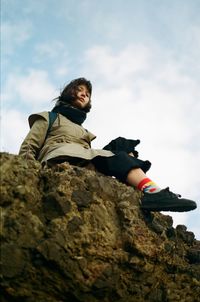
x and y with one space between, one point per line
69 93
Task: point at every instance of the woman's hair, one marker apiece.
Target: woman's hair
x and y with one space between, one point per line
69 93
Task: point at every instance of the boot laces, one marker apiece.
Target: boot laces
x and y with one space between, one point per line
173 194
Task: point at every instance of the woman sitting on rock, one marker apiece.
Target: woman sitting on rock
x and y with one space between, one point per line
67 140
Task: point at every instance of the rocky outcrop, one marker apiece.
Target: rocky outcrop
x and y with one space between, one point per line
71 234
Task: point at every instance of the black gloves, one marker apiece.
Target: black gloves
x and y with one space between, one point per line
122 144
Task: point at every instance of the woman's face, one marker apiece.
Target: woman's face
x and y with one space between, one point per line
82 97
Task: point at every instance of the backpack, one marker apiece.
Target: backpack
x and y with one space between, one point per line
52 118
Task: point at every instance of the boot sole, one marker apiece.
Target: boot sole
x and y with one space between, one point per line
172 208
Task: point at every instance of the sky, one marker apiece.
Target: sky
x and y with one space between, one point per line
142 57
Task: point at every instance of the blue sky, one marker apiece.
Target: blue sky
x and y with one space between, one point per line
142 57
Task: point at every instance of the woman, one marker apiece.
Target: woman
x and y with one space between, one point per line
68 141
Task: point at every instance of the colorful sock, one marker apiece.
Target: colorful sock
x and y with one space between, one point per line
148 186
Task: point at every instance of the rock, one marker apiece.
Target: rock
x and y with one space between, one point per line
72 234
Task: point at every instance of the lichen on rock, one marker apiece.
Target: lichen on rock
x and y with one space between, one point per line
73 234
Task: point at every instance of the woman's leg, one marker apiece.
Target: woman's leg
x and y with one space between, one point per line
132 171
137 178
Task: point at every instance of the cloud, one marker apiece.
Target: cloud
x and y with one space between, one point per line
33 89
14 127
137 87
117 68
62 71
50 50
14 34
55 54
14 10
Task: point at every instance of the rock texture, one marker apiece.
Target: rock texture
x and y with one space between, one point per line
71 234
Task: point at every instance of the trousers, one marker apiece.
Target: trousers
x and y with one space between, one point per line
119 165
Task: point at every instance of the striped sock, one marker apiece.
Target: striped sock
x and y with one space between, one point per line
148 186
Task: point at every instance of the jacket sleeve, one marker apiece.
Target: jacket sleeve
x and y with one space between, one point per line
34 140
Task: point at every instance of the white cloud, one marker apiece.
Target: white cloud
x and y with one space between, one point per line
50 50
56 54
157 97
62 71
110 28
14 127
116 68
14 35
33 89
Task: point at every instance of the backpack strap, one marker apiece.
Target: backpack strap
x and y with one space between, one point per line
52 118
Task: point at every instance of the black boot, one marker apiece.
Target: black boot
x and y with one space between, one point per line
165 200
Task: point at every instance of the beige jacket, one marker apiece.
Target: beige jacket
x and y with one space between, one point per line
65 140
